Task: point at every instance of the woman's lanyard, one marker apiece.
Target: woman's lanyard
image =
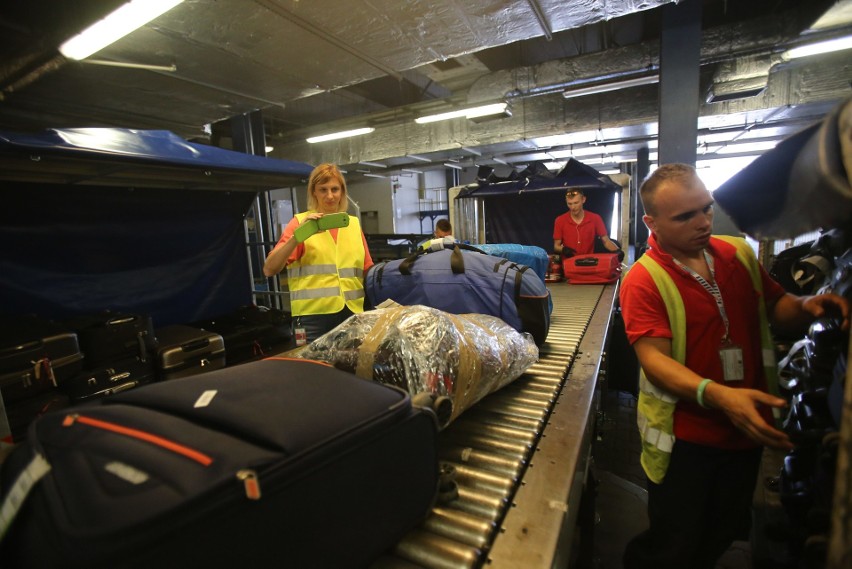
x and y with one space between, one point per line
731 355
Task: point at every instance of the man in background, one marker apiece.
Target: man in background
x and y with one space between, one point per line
575 232
443 228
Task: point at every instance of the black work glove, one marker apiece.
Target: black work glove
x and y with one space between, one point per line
568 252
620 254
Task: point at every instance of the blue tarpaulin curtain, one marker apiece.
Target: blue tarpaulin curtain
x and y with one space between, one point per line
127 220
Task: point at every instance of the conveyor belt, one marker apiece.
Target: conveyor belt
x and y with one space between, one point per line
521 454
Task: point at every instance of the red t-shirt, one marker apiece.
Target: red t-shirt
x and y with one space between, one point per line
580 237
645 316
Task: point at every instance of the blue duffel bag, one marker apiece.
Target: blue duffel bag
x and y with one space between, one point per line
465 280
532 256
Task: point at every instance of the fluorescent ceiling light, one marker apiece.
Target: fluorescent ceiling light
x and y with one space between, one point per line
375 176
341 134
416 157
115 26
475 112
373 164
613 86
826 46
451 165
411 170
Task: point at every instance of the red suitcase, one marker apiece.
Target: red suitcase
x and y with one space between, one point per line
595 268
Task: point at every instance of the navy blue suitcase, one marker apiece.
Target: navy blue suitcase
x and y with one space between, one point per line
465 280
273 463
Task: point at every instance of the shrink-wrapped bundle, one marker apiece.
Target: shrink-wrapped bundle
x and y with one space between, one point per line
423 350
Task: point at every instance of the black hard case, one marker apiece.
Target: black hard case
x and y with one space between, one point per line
344 468
187 350
250 333
36 355
110 379
108 337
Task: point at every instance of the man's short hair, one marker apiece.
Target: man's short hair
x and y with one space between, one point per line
571 192
444 225
663 174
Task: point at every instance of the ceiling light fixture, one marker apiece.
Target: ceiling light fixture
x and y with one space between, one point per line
416 157
373 164
473 113
115 26
375 176
341 134
827 46
612 86
454 166
411 170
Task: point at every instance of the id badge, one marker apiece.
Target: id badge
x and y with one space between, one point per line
732 362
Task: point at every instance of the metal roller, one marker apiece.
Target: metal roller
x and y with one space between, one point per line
491 446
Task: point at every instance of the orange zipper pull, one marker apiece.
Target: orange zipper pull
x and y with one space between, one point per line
69 420
251 483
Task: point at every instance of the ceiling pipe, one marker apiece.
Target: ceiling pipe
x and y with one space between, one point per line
329 37
542 20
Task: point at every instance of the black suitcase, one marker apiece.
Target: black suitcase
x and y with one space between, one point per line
108 337
187 350
110 379
274 463
250 333
36 355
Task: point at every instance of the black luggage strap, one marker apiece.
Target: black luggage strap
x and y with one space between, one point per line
456 259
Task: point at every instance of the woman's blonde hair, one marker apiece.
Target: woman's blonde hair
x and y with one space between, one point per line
322 174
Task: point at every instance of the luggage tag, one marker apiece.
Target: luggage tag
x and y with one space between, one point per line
732 362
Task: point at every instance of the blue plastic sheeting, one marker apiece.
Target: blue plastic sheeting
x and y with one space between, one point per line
534 257
130 221
152 146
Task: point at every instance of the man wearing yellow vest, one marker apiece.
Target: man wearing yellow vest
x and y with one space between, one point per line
325 270
697 310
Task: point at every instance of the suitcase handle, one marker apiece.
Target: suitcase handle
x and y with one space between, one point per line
21 347
587 262
195 345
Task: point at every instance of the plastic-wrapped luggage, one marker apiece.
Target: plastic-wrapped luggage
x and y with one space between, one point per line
464 280
424 350
274 463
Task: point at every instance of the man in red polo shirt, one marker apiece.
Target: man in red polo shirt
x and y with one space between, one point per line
575 231
704 368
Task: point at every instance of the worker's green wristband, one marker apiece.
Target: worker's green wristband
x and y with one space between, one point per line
699 393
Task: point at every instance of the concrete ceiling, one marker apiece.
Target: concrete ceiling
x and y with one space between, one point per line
313 67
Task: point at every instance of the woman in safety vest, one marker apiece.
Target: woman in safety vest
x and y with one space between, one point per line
325 268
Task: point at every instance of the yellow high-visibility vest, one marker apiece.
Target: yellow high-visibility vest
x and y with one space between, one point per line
655 409
329 275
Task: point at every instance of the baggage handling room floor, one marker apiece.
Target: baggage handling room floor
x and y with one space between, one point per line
621 496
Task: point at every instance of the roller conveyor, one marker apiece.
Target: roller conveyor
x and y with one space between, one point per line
521 454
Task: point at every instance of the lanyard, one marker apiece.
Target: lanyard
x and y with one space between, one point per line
713 288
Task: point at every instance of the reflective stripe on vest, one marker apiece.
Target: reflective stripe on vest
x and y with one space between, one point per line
655 409
329 275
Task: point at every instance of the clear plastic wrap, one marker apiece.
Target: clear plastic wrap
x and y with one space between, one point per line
424 350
